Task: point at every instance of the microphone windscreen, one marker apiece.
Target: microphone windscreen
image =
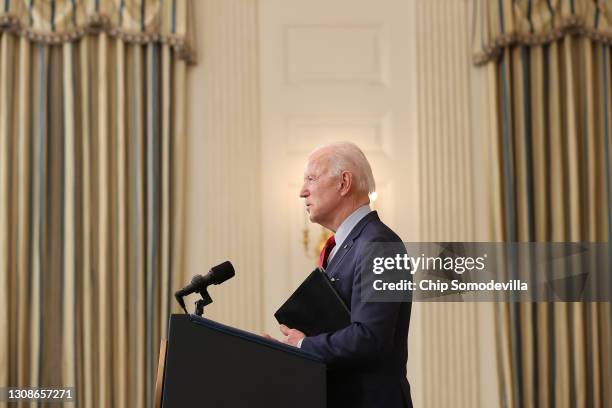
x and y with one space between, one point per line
222 272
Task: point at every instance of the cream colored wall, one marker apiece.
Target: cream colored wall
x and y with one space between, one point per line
459 353
223 210
451 346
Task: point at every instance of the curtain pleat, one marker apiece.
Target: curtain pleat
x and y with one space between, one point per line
121 288
165 284
138 217
5 232
104 259
38 219
86 397
23 255
69 227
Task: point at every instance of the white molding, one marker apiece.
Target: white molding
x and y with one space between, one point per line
372 133
337 36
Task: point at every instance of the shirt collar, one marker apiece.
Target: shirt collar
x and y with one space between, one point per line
349 223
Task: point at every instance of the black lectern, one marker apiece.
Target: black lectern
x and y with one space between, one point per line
208 364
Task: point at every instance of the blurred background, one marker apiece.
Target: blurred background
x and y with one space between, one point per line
142 142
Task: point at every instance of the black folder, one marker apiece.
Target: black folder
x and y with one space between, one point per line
315 307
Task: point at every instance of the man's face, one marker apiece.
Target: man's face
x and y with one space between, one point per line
320 191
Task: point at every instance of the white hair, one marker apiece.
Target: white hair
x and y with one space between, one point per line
346 156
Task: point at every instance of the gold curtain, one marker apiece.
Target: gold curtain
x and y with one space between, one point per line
550 74
92 129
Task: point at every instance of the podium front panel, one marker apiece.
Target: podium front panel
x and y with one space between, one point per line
211 365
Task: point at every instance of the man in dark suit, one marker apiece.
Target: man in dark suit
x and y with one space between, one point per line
367 359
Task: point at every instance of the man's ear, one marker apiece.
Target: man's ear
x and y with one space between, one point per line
346 182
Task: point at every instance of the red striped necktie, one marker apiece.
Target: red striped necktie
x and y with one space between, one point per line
327 248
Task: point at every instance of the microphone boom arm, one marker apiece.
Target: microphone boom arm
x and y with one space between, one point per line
205 301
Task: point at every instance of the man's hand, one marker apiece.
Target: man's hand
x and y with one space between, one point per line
267 336
292 336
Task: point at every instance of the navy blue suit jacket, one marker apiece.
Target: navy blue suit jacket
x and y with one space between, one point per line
367 359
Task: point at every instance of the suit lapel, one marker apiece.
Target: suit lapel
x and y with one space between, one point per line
333 267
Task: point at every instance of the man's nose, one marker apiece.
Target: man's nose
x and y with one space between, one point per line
303 192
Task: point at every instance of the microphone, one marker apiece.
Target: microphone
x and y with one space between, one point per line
217 275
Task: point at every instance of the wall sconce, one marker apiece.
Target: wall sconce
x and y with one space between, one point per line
373 197
315 251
